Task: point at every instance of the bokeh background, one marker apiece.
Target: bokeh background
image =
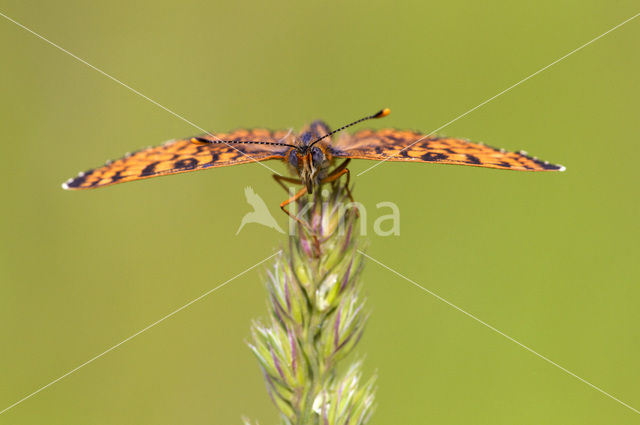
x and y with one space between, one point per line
550 259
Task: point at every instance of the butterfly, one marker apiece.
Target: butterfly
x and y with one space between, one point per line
310 154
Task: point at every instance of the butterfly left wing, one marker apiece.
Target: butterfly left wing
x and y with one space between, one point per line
180 156
397 145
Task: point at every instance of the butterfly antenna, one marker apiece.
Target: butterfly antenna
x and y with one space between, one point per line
382 113
203 141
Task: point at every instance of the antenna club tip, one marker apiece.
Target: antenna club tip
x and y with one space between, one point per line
383 113
198 141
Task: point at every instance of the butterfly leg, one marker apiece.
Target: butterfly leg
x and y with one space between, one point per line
294 198
280 179
340 167
338 172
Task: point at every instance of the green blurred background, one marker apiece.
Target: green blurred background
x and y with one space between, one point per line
550 259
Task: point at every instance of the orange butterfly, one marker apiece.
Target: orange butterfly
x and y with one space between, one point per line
310 154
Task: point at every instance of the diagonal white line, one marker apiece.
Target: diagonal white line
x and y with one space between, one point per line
175 114
137 333
449 303
501 93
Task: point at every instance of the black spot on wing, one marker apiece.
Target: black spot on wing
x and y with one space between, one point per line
472 159
186 164
79 180
71 183
213 160
117 176
337 152
149 169
548 166
434 156
544 164
398 140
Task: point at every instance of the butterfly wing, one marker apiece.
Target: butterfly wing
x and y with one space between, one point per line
397 145
180 156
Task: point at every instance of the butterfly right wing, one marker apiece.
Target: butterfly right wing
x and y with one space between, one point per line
399 145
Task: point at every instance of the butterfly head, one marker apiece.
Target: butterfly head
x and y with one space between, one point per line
310 162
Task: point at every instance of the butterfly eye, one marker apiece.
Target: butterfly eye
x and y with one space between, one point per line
293 158
317 156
